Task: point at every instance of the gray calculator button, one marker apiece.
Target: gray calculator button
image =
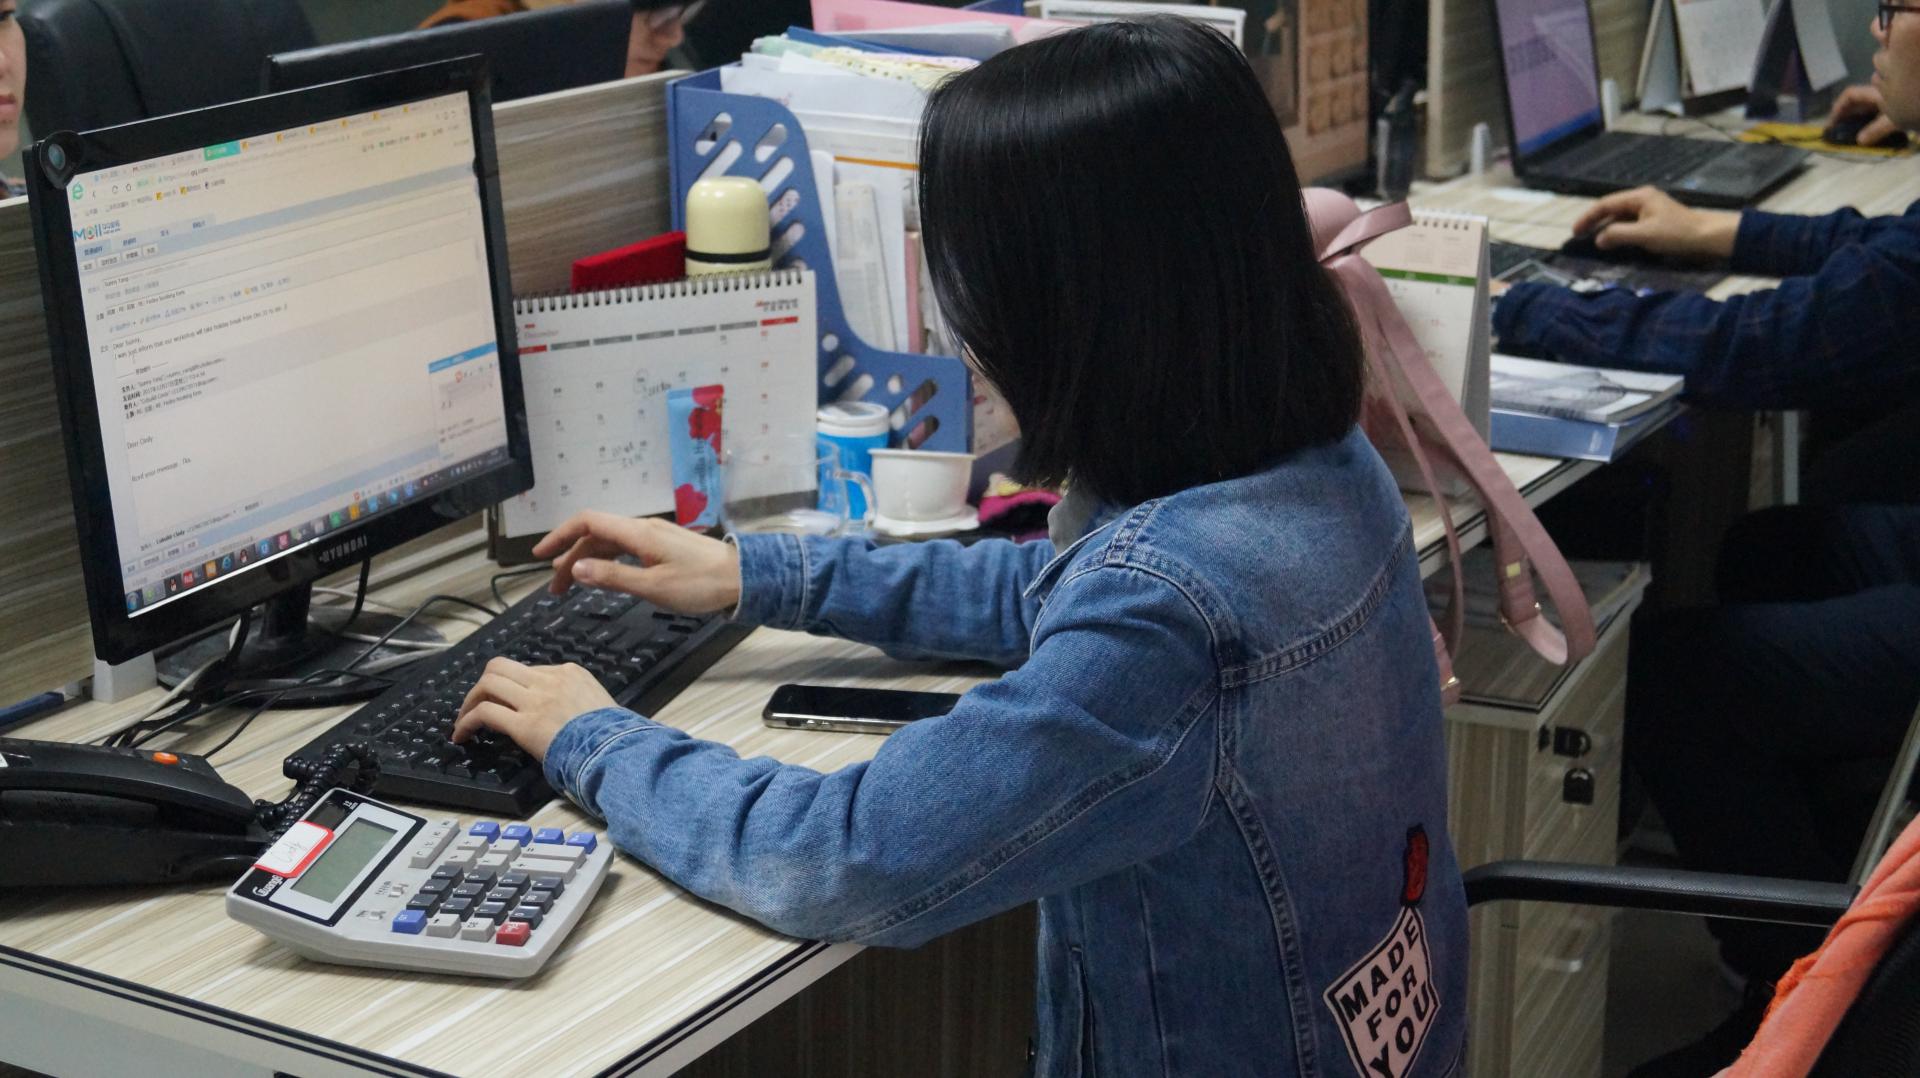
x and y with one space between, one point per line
481 876
479 928
504 895
444 924
446 872
436 887
495 861
460 859
469 890
473 844
431 842
515 879
557 853
459 907
537 899
424 903
536 866
491 912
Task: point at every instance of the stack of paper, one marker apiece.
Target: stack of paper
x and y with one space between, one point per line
1564 410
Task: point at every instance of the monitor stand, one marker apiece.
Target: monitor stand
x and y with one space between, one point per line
288 640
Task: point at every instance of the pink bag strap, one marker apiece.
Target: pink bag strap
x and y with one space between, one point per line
1521 545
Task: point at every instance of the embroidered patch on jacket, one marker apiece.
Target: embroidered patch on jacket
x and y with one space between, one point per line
1386 1003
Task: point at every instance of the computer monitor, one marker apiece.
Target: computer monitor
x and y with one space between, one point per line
1551 71
282 343
528 53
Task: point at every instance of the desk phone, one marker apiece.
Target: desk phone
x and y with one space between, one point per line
359 882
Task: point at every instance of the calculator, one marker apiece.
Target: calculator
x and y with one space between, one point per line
359 882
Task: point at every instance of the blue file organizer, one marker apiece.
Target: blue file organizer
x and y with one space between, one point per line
761 140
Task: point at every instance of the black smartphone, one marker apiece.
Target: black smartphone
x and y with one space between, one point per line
850 710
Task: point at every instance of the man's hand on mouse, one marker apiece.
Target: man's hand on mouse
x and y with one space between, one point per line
1651 220
1863 101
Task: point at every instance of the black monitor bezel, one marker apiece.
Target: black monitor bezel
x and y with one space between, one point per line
1521 163
117 636
517 71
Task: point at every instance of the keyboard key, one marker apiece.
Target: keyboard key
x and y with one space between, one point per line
436 886
550 836
537 899
491 912
446 872
559 853
583 839
482 876
516 880
503 895
495 861
473 844
460 859
469 890
428 903
530 915
459 907
410 922
517 833
512 934
478 930
445 924
549 881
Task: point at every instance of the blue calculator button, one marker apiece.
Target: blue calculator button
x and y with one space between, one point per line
486 829
410 921
551 835
584 840
516 832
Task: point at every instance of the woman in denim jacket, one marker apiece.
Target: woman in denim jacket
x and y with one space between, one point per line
1216 757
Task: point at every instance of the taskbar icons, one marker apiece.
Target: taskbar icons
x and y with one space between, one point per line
365 503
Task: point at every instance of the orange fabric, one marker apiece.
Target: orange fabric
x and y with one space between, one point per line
1815 994
468 10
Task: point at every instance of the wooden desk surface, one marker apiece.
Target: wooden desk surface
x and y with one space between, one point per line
651 976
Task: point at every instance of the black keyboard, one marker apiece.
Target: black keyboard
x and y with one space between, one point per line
643 655
1632 160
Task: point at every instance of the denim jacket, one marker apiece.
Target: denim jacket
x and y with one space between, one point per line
1215 761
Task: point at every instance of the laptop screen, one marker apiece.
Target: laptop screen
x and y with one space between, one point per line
1546 47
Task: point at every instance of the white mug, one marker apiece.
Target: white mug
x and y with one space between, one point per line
920 486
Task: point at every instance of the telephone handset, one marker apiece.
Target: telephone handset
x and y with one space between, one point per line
86 814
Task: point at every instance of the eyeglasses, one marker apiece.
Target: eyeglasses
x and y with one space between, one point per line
1887 12
662 17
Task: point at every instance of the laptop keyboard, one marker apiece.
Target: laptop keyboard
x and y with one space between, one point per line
1631 161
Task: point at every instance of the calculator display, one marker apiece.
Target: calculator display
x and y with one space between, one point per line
349 852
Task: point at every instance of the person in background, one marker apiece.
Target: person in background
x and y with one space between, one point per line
1812 658
13 90
658 28
1216 759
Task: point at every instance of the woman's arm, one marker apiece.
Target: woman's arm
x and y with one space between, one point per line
912 600
1098 753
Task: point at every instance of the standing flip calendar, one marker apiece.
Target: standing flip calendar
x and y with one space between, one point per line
598 369
1436 271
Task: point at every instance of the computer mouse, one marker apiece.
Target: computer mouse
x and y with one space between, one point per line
1846 132
1586 245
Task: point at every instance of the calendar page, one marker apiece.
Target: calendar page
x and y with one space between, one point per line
598 367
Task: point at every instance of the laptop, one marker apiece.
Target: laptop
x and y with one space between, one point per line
1550 74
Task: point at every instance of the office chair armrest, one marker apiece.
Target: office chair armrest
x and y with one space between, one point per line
1663 890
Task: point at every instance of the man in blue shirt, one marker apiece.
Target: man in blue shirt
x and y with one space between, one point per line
1736 714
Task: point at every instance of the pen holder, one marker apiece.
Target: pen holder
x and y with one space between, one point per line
714 133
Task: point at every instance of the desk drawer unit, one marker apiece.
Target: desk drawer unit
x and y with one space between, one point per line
1540 784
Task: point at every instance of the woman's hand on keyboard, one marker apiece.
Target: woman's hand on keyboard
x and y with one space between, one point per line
528 703
679 570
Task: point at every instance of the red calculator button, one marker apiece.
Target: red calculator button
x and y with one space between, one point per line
165 758
513 934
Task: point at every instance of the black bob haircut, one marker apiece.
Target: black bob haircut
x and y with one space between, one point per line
1115 232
